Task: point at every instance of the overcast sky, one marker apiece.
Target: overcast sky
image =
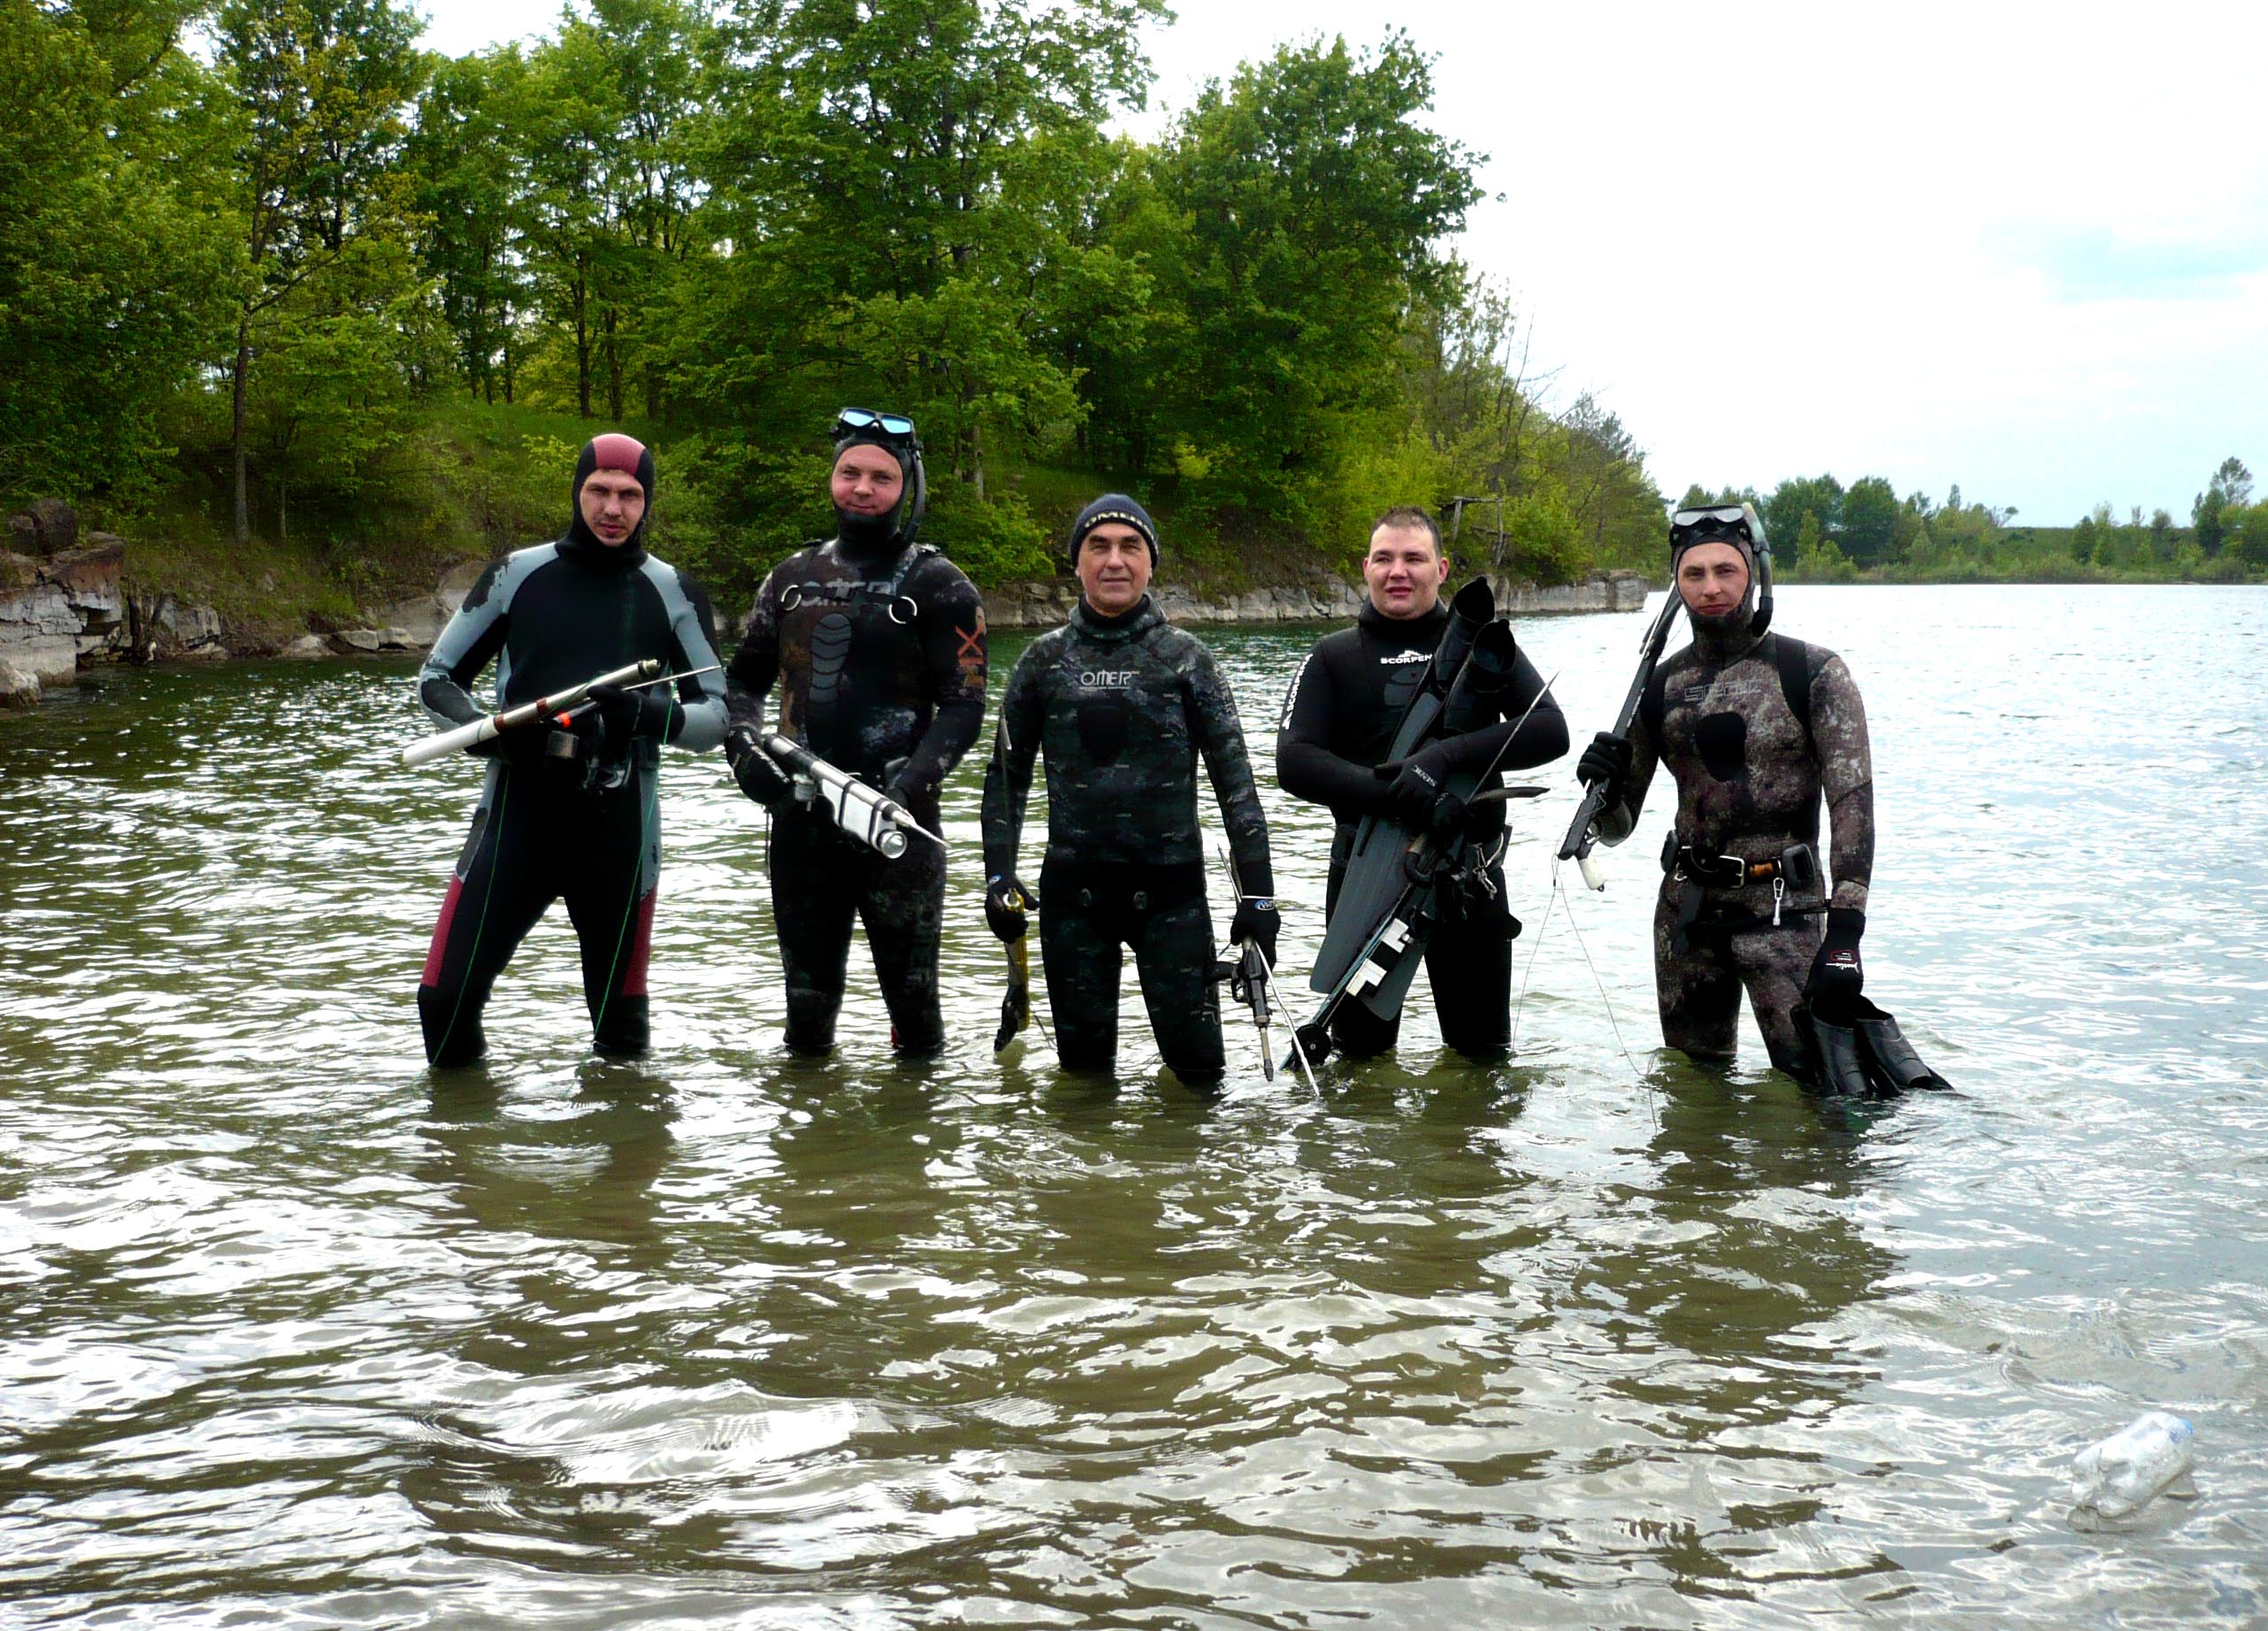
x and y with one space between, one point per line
2024 248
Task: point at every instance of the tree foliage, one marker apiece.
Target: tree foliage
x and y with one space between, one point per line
719 220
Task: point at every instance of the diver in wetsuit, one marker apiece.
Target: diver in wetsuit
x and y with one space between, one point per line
877 643
572 812
1339 719
1123 705
1755 727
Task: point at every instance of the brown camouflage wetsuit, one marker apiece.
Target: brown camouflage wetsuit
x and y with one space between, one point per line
1123 708
879 658
1749 777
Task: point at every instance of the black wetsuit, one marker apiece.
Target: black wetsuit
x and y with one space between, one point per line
551 618
1123 708
1721 714
879 656
1339 719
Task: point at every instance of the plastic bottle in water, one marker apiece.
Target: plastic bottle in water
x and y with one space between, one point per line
2121 1473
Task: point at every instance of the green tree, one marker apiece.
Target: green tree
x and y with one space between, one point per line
116 264
1870 522
469 161
2247 534
1817 495
1313 201
323 88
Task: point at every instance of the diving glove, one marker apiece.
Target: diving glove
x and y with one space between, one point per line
1007 907
758 774
1258 921
1605 762
1418 783
629 715
1836 977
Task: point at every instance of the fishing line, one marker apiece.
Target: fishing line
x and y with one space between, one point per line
1558 887
1535 951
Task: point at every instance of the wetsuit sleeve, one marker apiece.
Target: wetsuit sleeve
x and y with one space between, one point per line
755 664
1539 738
1221 739
1617 820
473 636
1008 779
701 716
953 663
1847 778
1306 768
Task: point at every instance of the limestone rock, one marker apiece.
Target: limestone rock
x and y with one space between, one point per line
19 687
46 526
308 645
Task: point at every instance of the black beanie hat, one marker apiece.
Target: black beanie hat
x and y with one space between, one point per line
1119 508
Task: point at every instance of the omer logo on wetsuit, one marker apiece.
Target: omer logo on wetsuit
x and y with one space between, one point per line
1123 706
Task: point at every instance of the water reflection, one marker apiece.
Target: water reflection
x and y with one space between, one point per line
298 1329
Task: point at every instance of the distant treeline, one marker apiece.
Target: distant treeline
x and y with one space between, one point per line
1822 532
260 261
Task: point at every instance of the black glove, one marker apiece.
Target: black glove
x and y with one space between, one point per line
1605 761
1418 785
630 715
1447 820
521 747
757 772
1836 977
1258 921
1008 907
897 786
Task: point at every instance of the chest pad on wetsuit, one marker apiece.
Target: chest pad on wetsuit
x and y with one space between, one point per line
875 616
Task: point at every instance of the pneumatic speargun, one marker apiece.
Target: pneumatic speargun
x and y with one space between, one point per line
562 707
447 742
870 817
1582 831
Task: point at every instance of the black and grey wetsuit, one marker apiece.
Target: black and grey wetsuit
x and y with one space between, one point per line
1123 708
1339 719
551 618
879 660
1751 771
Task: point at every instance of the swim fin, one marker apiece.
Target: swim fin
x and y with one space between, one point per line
1889 1059
1838 1063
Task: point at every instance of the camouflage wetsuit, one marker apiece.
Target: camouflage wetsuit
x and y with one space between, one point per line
1122 707
880 661
1750 776
553 617
1339 719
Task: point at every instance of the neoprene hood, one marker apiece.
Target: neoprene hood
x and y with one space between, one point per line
610 451
1739 526
860 427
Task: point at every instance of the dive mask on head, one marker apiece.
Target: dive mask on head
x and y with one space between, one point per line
1739 526
894 433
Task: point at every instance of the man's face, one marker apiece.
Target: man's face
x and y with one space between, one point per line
1712 578
866 480
613 504
1113 567
1404 571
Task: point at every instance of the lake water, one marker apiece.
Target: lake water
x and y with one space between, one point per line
298 1334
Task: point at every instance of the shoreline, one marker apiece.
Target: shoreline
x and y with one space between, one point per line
75 608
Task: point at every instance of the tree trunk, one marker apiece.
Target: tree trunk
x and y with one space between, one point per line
582 351
242 531
612 352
